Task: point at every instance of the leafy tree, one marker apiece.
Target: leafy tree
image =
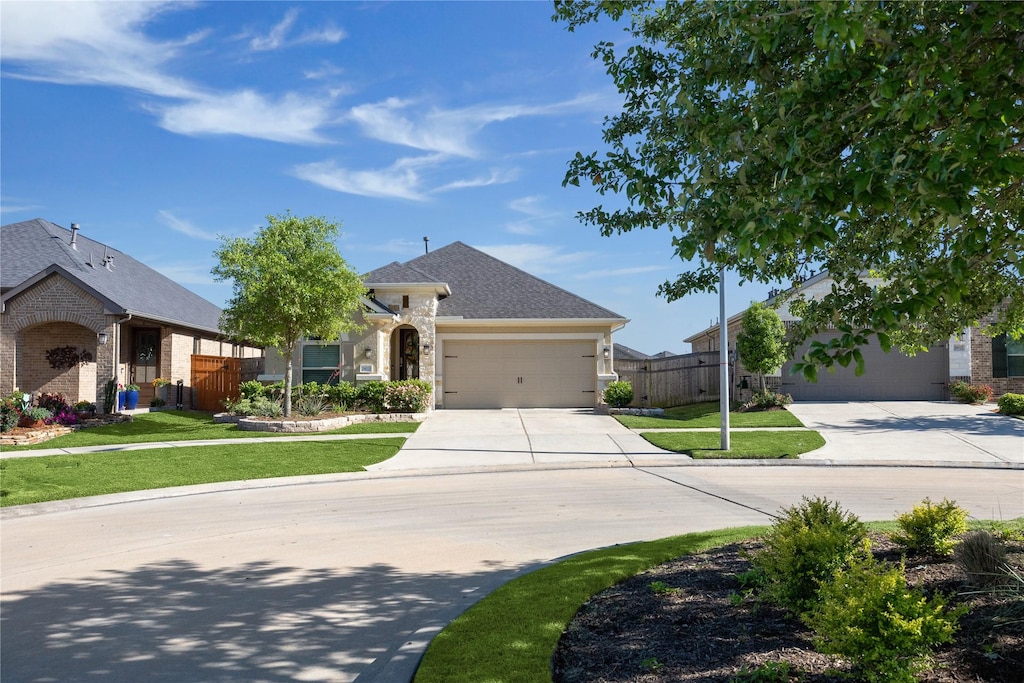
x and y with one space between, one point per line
761 343
867 138
289 282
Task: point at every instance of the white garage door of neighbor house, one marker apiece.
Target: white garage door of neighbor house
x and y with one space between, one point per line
887 377
519 374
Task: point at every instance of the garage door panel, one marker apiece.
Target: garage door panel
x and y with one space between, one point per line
519 374
887 376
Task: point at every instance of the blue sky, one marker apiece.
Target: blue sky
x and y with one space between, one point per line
159 126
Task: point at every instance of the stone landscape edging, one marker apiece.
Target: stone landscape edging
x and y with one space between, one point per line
322 425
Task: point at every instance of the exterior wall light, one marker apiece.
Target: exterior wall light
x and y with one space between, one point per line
607 353
101 338
368 352
426 349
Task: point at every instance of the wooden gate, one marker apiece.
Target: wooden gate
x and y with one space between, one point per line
214 379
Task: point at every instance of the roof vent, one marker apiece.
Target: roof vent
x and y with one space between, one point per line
74 236
108 260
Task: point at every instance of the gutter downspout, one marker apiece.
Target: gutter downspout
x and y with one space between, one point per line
117 347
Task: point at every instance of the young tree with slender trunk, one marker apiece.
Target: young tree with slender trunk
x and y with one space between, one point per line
761 343
289 282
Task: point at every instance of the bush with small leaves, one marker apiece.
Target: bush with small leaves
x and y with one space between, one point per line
931 528
982 557
1011 404
763 400
971 393
251 389
804 546
868 615
618 394
342 394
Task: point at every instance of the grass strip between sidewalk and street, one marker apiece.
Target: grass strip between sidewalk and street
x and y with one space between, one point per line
743 445
707 414
510 635
179 425
59 477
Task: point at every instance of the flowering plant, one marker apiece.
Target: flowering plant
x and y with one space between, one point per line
160 382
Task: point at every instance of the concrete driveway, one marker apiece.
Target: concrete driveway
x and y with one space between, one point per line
912 431
515 437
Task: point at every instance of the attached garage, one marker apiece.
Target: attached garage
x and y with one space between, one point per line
519 374
887 377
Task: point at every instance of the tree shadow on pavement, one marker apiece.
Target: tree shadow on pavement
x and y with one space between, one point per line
254 622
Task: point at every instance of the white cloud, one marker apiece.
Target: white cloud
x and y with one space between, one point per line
401 180
186 273
16 205
538 259
278 36
91 43
184 227
104 44
292 118
449 131
496 177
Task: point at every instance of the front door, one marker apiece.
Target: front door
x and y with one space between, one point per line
408 354
145 361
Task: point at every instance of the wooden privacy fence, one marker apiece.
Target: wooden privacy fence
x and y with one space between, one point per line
671 380
215 378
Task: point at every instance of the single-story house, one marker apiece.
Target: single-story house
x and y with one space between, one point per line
970 356
77 313
484 334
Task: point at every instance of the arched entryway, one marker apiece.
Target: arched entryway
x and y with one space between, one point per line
405 353
59 358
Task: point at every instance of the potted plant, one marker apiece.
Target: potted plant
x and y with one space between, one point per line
160 388
131 396
34 417
84 409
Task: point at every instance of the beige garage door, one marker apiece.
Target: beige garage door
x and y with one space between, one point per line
887 377
488 374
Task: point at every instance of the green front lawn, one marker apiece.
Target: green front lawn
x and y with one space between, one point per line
178 425
707 415
58 477
510 635
705 445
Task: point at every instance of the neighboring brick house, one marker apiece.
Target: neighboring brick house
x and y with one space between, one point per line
484 333
971 356
62 291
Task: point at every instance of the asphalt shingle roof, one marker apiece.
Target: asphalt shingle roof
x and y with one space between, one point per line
484 287
30 247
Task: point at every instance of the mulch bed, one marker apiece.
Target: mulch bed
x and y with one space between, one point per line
700 630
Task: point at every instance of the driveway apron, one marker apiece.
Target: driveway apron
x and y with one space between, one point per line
907 431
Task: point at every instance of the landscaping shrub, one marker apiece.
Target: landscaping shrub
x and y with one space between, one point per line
342 395
60 411
803 548
37 413
982 557
260 406
1011 404
311 405
406 396
251 389
868 614
931 528
618 394
763 400
970 393
370 396
11 408
109 396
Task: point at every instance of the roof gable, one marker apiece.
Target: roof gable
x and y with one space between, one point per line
484 287
30 248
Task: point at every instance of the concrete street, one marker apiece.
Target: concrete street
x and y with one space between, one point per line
347 577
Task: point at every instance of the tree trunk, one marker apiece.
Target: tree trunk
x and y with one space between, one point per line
290 351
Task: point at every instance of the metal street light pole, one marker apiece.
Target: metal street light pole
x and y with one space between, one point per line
723 359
